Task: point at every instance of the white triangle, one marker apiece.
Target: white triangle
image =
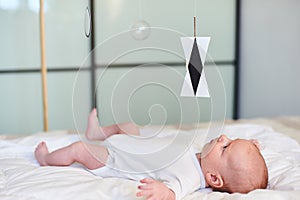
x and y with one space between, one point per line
202 89
187 44
187 88
202 43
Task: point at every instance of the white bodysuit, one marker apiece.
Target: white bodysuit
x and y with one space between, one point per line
170 160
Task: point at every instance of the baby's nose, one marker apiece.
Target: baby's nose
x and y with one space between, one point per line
222 138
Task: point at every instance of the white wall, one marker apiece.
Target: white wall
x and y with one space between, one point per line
270 58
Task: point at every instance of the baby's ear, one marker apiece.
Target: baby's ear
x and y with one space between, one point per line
256 143
214 180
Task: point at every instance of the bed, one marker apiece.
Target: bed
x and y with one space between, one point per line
22 178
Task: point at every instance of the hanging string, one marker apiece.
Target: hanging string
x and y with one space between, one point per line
194 26
195 12
140 10
195 7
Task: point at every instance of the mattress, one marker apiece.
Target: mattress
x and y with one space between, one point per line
22 178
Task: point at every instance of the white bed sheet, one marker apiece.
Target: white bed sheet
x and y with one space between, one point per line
22 178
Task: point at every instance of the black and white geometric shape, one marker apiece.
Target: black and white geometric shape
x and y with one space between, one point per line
195 49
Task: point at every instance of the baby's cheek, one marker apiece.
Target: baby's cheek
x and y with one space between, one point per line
205 151
208 149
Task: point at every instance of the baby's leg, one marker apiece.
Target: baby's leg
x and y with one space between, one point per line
95 132
91 156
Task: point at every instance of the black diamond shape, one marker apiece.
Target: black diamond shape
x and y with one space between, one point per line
195 66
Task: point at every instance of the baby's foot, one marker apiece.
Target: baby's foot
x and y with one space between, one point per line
93 131
40 153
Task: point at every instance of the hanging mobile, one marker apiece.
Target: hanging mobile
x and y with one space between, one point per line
195 49
140 30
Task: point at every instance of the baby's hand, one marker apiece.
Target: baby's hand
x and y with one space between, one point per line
152 189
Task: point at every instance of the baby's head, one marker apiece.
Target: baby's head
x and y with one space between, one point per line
234 165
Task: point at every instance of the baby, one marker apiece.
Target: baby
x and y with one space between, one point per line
224 164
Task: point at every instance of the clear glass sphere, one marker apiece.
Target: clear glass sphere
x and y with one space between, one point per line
140 30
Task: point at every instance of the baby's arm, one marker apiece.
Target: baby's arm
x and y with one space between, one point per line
152 189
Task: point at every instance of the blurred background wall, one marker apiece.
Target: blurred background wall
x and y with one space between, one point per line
270 64
129 78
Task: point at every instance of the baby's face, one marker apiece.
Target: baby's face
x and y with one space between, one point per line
218 153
